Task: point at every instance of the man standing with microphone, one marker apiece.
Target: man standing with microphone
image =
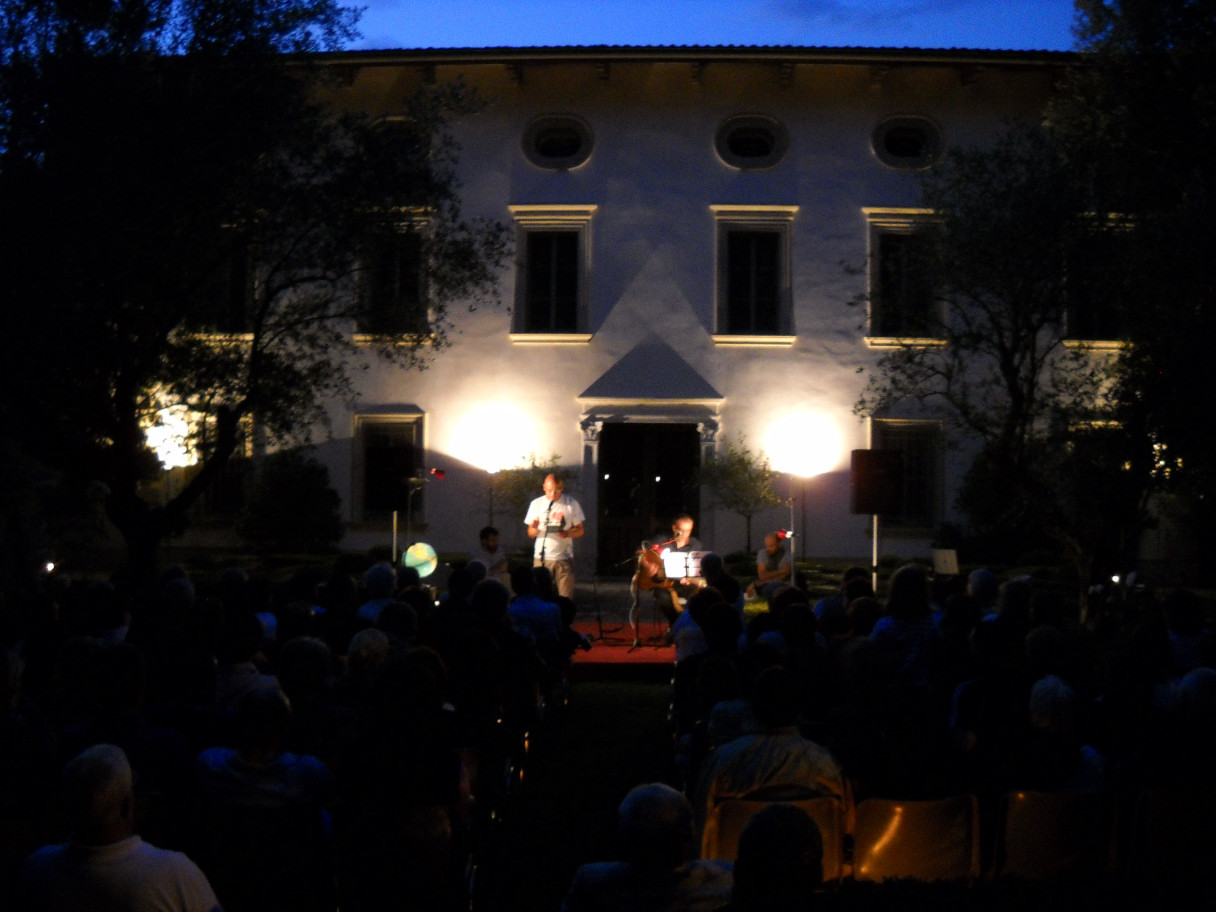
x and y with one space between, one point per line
554 521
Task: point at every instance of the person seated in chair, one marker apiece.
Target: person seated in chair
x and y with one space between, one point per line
780 862
105 866
776 757
682 541
659 870
650 577
490 553
774 567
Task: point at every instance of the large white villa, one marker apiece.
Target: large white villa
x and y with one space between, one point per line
698 232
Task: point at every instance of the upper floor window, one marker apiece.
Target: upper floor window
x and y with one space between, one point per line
754 293
392 298
907 141
1095 285
751 142
553 269
903 303
558 141
551 281
226 293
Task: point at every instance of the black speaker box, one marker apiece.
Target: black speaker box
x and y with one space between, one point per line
876 481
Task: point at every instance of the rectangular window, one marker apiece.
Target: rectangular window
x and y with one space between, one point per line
903 304
754 296
392 298
921 445
389 456
552 286
1095 288
753 282
227 290
551 278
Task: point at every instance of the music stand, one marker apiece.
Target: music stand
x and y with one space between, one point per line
682 564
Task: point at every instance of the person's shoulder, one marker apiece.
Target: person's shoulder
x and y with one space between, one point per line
597 878
42 858
703 871
304 765
882 625
726 752
215 758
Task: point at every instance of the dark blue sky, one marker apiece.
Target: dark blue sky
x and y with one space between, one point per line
986 24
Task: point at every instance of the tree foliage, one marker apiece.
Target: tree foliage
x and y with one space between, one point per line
1003 375
1140 115
1113 198
291 506
741 482
514 488
189 225
995 257
1110 199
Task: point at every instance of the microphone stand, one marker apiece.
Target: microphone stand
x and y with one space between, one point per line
544 542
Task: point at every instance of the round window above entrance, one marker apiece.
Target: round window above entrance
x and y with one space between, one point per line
751 142
558 141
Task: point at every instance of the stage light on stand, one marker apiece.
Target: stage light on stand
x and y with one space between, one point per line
802 444
414 484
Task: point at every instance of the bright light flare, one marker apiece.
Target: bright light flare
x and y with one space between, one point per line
169 437
804 444
494 436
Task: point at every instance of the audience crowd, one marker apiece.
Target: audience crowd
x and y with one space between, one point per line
345 743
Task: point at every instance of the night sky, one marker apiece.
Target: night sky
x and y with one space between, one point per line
978 24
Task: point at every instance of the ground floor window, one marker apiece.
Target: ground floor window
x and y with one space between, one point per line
920 442
388 455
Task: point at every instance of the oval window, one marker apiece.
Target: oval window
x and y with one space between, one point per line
751 141
558 141
907 142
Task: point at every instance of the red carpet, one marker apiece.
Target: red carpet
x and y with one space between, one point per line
615 657
616 646
603 618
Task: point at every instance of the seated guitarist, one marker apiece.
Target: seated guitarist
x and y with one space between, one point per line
650 577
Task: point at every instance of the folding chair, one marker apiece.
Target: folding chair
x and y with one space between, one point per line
726 820
1048 836
923 840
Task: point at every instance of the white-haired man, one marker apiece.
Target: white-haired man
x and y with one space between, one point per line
104 866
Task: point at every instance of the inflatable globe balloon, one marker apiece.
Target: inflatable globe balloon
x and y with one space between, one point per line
421 557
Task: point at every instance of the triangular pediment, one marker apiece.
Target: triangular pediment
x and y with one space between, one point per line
651 370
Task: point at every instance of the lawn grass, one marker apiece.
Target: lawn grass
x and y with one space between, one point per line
611 737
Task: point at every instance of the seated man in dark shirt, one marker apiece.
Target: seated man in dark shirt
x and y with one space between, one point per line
659 870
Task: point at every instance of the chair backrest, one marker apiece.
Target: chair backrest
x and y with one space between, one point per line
1172 839
265 858
726 820
928 840
1056 835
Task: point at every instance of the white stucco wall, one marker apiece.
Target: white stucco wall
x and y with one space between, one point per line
653 176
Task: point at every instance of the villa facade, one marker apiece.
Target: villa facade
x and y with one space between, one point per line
711 244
